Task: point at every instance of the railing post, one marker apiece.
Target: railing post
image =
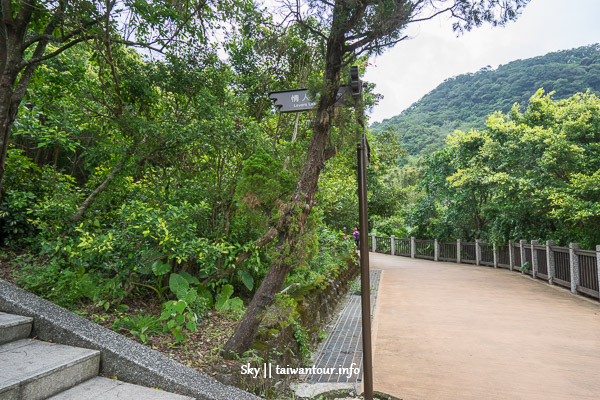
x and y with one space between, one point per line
413 247
495 250
511 255
393 245
373 243
574 264
436 250
534 259
477 252
598 264
550 261
458 251
522 251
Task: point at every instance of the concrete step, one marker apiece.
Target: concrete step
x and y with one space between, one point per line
109 389
14 327
35 370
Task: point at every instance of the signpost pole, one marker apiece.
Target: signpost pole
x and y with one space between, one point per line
365 284
295 101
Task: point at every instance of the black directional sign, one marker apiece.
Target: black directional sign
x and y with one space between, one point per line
296 100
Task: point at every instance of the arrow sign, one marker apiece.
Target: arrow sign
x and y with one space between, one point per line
297 100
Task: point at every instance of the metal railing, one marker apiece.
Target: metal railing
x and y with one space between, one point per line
468 253
447 251
424 249
570 267
562 267
503 256
487 254
588 272
384 244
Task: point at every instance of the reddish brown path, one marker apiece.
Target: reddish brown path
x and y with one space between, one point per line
456 331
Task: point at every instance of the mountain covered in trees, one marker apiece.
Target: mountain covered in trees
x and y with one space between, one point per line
465 102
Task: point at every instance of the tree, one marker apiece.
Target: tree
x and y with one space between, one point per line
529 175
33 31
347 29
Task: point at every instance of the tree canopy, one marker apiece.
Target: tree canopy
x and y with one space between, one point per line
531 174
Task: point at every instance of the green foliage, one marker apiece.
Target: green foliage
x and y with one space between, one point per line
180 287
529 175
263 185
143 238
177 316
388 193
193 302
394 225
140 325
134 176
225 303
355 287
37 200
160 270
64 286
181 131
247 279
282 312
337 195
303 340
263 181
464 102
333 252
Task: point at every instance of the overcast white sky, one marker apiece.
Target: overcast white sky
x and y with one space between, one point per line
416 66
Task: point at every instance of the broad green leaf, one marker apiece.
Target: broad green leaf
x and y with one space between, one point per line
180 307
159 268
191 325
235 304
204 293
192 280
226 292
190 296
247 279
178 285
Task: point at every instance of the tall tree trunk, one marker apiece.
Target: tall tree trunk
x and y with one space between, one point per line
9 102
6 85
16 70
15 74
291 225
10 99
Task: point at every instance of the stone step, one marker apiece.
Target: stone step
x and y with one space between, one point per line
14 327
100 388
35 370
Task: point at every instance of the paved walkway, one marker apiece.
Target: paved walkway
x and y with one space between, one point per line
342 351
448 331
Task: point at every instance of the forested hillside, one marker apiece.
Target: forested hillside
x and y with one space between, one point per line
464 102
